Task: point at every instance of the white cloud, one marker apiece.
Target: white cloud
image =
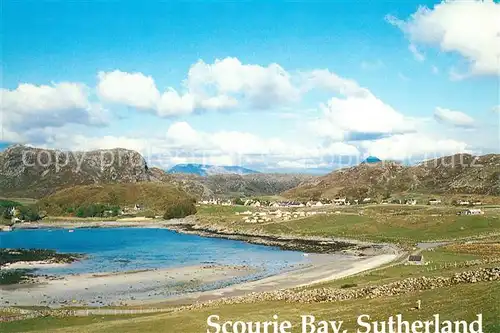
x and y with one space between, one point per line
357 115
218 86
470 28
31 106
454 118
496 109
413 146
416 53
133 89
262 86
324 79
182 134
182 143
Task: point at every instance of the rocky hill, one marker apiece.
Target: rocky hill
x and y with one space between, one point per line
461 173
232 185
34 172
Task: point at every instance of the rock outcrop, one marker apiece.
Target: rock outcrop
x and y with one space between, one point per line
35 172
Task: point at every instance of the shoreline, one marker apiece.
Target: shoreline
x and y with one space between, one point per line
189 226
118 288
327 259
33 264
180 285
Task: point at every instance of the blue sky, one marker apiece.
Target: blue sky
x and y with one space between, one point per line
424 85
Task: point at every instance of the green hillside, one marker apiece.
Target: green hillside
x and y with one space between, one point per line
153 197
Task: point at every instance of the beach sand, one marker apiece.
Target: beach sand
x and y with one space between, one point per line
322 268
116 288
175 286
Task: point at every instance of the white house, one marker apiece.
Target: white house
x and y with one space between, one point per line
411 202
434 202
340 201
472 212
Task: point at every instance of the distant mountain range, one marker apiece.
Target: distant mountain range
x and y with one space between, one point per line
208 170
21 175
35 173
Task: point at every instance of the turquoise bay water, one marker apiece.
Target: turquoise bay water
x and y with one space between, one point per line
126 249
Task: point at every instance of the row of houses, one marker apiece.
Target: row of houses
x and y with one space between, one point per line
220 202
256 217
461 202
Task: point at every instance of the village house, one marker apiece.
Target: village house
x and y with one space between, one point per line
477 203
463 202
411 202
471 211
340 201
434 202
416 259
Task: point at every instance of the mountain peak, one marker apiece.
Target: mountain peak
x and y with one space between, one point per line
207 169
372 160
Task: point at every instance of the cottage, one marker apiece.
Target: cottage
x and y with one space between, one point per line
463 202
472 212
340 201
416 259
411 202
434 202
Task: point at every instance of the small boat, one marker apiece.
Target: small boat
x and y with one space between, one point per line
71 230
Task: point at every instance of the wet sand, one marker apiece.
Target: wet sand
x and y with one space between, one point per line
117 288
180 285
323 268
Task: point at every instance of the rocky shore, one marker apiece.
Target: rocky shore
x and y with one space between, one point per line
190 225
292 243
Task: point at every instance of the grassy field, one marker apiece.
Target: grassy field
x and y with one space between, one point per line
405 224
381 223
474 299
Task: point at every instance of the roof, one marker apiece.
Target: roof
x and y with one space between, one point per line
415 258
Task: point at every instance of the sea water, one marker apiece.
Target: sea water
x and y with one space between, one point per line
129 249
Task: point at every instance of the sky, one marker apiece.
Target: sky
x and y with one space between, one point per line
303 86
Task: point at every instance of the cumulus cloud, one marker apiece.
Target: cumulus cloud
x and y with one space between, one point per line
133 89
324 79
261 86
413 147
454 118
469 28
218 86
31 106
344 118
182 144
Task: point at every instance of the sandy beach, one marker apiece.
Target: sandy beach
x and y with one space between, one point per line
323 268
179 285
117 288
